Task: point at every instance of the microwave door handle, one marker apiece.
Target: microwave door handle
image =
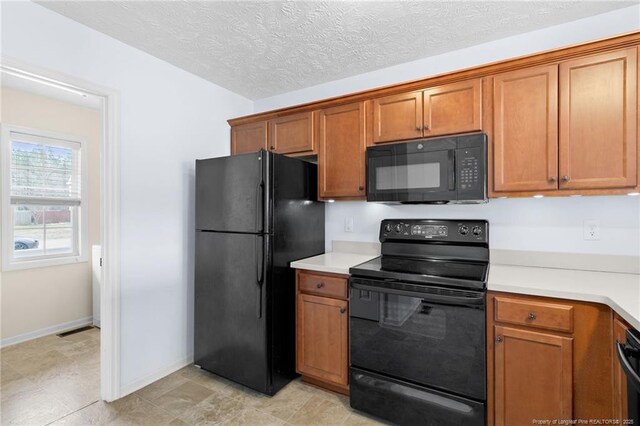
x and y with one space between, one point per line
452 170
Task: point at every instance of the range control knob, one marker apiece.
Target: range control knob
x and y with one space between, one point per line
476 230
464 230
398 228
388 227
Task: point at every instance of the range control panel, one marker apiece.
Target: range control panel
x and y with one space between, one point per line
472 231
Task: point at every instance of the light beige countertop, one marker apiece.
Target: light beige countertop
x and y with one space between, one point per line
345 254
610 280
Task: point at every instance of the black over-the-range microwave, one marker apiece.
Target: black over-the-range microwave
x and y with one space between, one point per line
450 169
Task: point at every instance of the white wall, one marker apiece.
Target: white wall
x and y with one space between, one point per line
545 224
516 224
168 118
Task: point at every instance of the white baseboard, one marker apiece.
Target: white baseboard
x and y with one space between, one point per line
54 329
150 378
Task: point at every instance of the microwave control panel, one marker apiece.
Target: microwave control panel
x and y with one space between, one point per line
469 173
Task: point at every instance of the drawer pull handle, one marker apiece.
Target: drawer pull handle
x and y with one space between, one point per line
343 310
499 339
319 285
531 316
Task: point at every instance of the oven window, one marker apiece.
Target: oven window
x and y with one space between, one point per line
408 176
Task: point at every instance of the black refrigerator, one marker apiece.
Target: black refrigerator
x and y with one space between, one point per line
255 213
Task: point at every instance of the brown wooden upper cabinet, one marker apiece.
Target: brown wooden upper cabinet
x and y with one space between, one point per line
248 137
598 121
567 126
447 109
341 148
292 134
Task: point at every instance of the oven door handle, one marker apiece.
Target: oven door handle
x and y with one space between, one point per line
471 302
632 376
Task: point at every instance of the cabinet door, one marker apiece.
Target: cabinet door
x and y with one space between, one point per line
453 108
342 144
321 338
525 126
533 376
598 119
292 134
397 117
248 137
620 409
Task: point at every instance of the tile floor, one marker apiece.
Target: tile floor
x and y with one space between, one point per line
55 380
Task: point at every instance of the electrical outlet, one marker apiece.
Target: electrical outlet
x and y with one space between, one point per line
591 230
348 224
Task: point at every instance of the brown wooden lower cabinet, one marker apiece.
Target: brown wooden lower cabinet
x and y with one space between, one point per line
322 319
548 359
533 376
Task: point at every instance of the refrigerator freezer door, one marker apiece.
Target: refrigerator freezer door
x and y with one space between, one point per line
231 193
230 303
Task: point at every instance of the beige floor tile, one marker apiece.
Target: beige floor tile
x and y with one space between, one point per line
215 409
8 374
183 397
83 347
320 411
133 410
253 417
206 379
16 387
178 422
77 391
32 408
248 397
40 365
361 419
286 402
162 386
98 413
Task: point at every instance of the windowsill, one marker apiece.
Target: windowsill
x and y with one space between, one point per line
44 263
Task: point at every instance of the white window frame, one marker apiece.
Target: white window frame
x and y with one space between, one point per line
80 224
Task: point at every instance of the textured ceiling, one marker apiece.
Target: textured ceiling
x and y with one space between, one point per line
263 48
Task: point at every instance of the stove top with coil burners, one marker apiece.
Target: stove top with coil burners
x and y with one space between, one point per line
449 253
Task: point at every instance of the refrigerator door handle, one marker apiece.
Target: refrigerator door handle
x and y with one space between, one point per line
260 207
259 248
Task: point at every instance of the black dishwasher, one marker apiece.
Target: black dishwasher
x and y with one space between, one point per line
629 357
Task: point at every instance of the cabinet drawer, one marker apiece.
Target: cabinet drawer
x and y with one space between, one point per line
549 316
322 285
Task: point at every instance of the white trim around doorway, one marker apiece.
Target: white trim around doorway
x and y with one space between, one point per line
109 214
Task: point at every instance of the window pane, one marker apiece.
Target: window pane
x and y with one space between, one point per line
58 230
28 231
39 170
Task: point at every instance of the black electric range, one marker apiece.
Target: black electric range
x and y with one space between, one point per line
417 324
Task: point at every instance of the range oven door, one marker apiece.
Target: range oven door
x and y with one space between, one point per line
412 172
426 335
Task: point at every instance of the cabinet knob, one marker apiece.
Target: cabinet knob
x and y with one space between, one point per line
361 188
343 310
426 127
499 339
319 285
418 129
272 147
565 178
552 179
531 316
